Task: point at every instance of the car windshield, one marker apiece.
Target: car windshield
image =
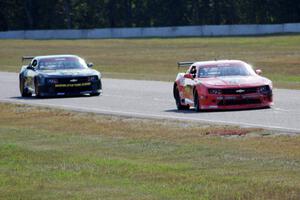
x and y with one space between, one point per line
61 63
223 70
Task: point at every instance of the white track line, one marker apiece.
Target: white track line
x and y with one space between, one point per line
280 109
153 116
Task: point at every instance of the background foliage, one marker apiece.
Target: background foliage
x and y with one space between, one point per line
84 14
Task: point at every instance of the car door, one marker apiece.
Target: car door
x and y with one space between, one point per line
30 74
188 88
188 84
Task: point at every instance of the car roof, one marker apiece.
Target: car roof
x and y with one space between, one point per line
55 56
216 62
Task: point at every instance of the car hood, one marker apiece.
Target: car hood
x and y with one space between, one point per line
69 72
233 81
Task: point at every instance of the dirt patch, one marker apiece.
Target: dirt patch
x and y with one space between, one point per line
230 132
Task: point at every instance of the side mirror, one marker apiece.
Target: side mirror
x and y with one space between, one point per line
90 65
189 76
258 71
29 67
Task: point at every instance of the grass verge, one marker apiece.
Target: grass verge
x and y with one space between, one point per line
54 154
155 59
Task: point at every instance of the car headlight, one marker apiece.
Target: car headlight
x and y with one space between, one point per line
92 78
214 91
264 89
52 81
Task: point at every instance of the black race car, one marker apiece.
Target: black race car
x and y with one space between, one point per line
58 75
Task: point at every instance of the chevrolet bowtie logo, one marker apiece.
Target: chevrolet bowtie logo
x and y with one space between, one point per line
73 80
240 91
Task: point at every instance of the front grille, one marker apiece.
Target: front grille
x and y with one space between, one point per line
239 90
72 79
232 102
72 89
72 84
69 80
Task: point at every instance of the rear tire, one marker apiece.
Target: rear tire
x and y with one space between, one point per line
178 101
196 102
24 91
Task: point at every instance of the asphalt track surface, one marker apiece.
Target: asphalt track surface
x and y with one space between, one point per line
154 99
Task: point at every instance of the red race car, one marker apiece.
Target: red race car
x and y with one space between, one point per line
222 84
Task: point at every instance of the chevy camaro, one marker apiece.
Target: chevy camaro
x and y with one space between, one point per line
222 84
58 75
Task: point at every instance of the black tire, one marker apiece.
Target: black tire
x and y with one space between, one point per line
196 102
100 84
177 100
95 94
24 91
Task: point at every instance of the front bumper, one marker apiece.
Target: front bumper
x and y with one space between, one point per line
232 102
50 90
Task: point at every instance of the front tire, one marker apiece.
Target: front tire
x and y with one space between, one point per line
24 91
196 102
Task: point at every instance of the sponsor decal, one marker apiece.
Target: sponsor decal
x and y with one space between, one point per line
73 73
72 85
188 89
250 96
234 82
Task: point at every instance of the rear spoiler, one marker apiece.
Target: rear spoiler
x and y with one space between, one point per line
27 58
185 63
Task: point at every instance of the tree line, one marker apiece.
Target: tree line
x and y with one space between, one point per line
86 14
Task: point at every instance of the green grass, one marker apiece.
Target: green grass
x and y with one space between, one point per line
52 154
155 59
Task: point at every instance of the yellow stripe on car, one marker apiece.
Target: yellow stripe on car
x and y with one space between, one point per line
72 85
